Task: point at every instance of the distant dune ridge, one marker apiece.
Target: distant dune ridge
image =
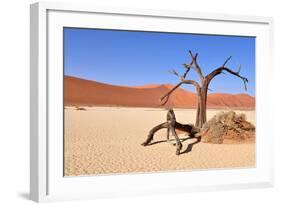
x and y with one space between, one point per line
82 92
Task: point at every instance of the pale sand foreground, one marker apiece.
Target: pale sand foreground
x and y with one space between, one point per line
102 140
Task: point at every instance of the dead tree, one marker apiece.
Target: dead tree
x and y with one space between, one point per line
202 87
171 125
202 91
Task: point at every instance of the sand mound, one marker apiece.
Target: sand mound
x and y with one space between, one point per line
228 127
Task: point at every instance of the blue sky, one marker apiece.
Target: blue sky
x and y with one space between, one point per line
138 58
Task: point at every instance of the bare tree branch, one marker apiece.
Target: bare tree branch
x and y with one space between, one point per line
167 95
166 100
225 62
220 70
239 68
174 72
196 66
187 67
183 81
192 82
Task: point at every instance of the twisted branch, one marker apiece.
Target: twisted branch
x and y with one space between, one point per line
220 70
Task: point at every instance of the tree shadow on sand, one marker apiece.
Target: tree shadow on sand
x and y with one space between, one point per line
190 146
173 142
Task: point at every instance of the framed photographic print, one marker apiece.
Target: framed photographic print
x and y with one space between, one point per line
130 102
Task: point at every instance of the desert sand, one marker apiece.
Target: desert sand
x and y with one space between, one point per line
107 140
83 92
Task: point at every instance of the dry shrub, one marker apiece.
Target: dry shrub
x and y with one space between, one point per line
228 127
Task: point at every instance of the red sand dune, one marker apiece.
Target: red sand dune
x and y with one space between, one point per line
91 93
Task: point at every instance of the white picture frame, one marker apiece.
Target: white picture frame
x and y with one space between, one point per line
46 177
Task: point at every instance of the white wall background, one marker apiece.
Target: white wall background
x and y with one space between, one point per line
14 101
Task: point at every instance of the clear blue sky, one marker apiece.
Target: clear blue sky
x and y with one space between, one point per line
139 58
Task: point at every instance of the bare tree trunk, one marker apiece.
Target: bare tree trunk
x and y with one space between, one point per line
204 102
197 116
201 111
198 110
202 106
